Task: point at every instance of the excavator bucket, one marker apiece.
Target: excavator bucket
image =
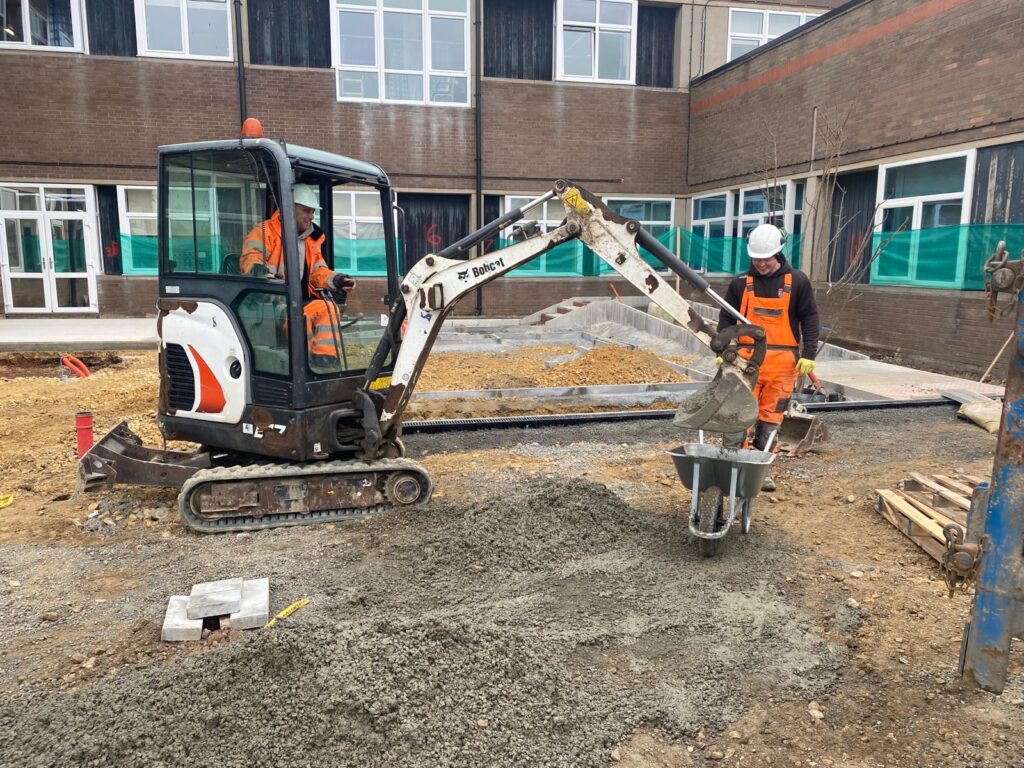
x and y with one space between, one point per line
800 431
726 405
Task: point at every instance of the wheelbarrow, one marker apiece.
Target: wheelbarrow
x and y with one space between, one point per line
721 480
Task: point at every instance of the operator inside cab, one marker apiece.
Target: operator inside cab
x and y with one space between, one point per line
263 256
780 299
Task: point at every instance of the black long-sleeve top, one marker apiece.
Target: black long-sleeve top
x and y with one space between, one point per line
803 311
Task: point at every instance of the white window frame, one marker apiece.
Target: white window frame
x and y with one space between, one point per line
764 37
597 26
77 32
426 14
49 276
768 217
726 220
882 204
143 48
125 217
354 220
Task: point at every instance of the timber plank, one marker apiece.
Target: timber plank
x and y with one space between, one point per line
955 498
941 516
924 540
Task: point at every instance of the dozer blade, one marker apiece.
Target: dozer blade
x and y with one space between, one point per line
725 405
800 431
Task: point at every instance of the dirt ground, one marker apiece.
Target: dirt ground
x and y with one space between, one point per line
547 608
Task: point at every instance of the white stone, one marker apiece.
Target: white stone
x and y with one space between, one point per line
215 598
177 625
255 610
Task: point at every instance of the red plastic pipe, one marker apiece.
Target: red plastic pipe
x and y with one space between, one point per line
83 428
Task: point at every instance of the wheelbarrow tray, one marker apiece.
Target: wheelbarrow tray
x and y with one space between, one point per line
716 464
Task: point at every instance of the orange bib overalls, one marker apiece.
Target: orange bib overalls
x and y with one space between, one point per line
778 372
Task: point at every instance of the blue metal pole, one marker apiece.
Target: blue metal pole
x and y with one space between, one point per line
998 611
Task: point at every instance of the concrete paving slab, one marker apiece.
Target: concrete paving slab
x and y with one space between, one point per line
178 627
77 334
255 609
215 598
895 381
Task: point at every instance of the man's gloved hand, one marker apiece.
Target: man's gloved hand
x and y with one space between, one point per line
804 366
342 282
259 269
719 361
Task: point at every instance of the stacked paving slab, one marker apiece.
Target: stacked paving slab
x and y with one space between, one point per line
245 603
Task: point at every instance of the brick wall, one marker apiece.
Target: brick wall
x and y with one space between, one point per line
75 118
626 140
914 75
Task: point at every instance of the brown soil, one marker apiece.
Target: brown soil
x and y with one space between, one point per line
17 364
526 367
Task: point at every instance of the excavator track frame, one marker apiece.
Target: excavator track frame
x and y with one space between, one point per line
241 494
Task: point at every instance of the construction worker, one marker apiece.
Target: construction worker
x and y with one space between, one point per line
780 299
263 255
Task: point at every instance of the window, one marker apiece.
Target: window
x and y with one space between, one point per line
403 51
654 215
915 199
137 215
597 40
214 202
47 24
359 245
195 29
564 259
748 30
711 215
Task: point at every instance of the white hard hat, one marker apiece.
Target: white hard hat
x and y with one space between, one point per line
765 241
303 194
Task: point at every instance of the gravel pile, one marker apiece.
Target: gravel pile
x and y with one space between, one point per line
539 623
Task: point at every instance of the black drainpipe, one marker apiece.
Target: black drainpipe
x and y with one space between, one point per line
479 308
243 108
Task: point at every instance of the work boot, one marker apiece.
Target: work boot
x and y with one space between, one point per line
768 484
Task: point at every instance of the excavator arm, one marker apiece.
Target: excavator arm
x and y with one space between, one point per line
434 285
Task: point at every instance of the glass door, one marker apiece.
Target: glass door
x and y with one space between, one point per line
48 252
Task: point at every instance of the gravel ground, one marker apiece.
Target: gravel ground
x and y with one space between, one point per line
527 619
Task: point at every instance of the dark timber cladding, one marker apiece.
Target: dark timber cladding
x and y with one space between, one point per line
519 39
655 45
111 27
296 33
999 185
431 223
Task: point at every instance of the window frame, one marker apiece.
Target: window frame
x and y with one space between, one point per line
125 217
764 38
426 15
78 31
917 202
145 52
597 26
354 220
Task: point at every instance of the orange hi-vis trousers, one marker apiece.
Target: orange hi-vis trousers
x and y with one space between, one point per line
777 376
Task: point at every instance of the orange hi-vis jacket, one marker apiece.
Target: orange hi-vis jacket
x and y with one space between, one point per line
263 245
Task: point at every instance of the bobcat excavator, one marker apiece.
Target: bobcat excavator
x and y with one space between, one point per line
285 439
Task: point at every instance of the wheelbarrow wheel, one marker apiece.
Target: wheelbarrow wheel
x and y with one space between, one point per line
709 510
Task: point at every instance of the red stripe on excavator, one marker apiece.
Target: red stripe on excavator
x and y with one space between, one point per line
211 394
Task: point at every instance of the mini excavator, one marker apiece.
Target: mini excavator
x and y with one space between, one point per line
286 440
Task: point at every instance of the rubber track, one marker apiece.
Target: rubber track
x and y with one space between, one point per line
205 477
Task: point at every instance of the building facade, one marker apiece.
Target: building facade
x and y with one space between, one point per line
884 135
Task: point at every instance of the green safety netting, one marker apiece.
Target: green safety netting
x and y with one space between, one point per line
941 257
728 255
68 255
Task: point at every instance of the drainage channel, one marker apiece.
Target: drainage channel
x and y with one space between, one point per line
599 417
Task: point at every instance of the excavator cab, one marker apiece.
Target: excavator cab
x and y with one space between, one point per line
253 358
